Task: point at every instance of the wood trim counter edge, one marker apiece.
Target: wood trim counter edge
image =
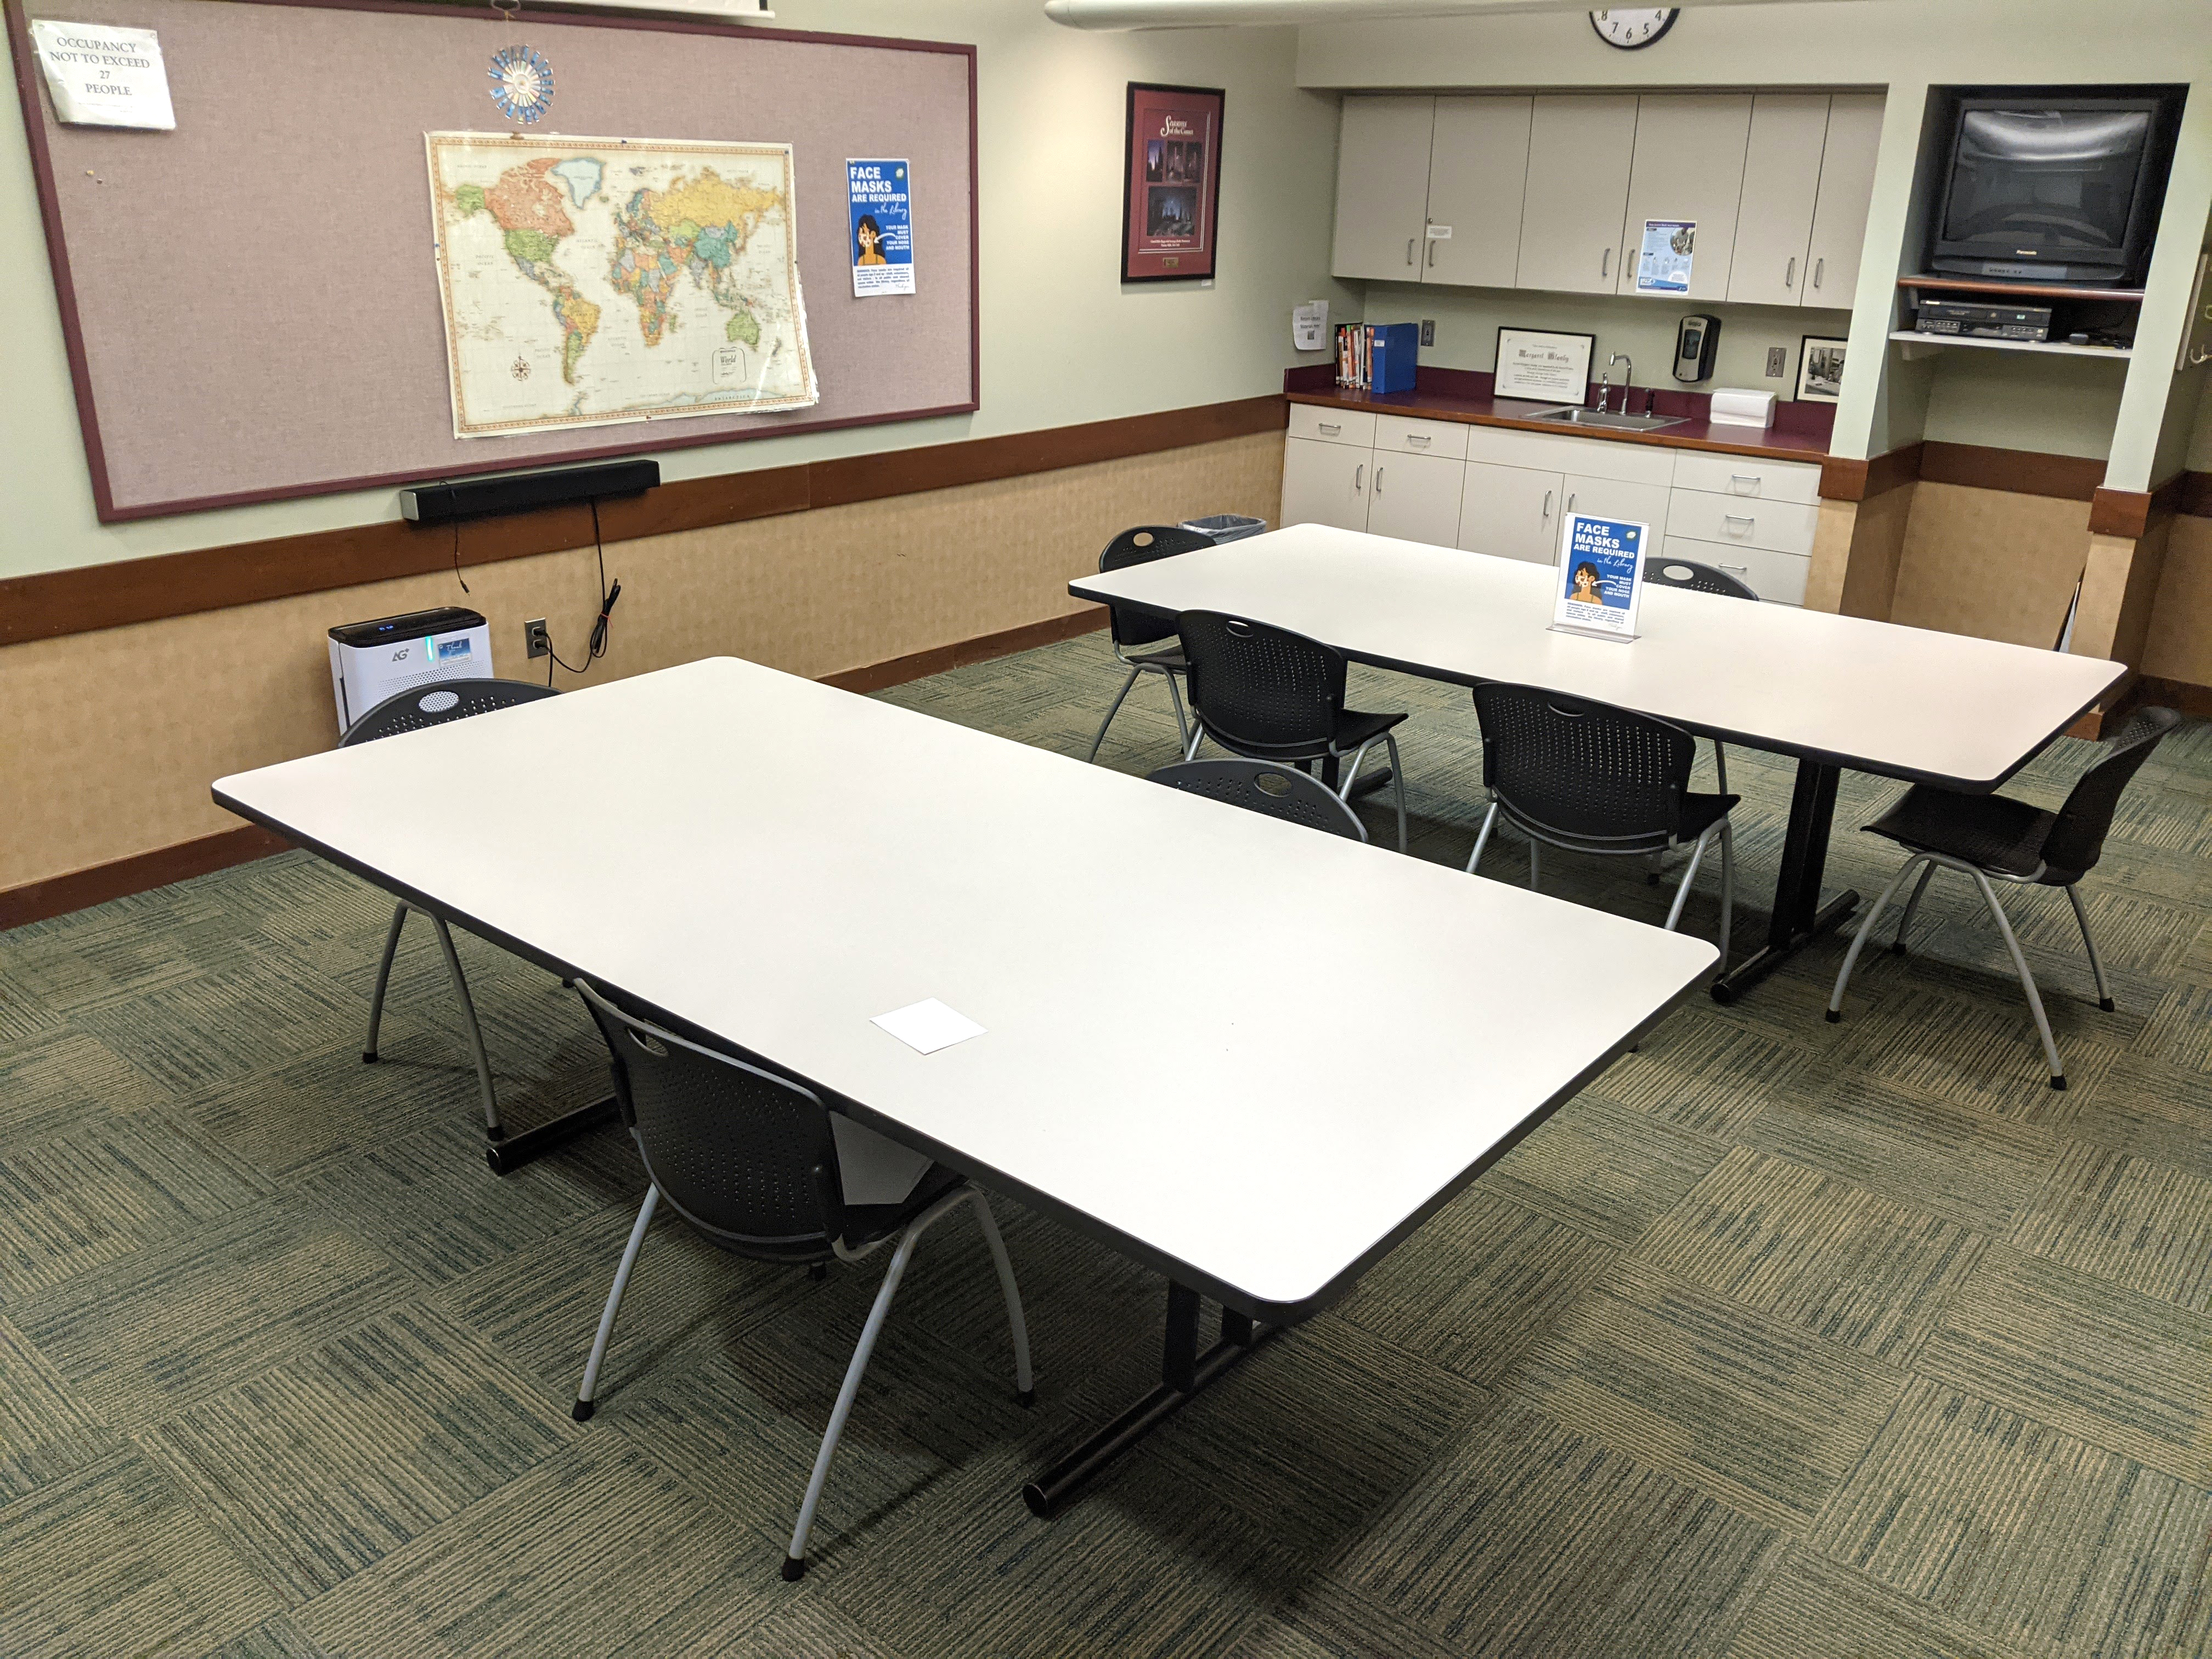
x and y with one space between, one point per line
140 873
49 604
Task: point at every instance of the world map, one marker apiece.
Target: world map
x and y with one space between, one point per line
589 281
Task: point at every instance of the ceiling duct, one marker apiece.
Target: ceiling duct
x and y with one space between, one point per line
1217 14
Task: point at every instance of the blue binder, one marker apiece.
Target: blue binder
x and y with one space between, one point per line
1391 349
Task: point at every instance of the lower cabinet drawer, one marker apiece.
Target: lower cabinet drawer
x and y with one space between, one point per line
1777 577
1355 427
1779 526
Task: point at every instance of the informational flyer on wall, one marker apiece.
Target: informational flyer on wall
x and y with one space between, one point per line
1601 576
1664 265
880 208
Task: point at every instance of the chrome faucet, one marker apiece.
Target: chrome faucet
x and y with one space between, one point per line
1625 379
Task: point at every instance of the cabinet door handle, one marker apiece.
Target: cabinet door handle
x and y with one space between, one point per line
1327 430
1789 277
1751 478
1410 240
1359 478
1819 265
1547 504
1378 481
1571 494
1432 256
1605 265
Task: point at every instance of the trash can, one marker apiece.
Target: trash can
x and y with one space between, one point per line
1226 526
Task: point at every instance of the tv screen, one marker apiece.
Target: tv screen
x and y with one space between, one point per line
2047 182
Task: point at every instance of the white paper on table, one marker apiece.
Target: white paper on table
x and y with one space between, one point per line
929 1025
104 77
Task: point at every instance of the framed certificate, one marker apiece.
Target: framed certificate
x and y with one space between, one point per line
1553 368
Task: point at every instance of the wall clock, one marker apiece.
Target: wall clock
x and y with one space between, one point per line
1629 28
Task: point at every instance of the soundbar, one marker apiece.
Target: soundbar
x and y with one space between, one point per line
525 492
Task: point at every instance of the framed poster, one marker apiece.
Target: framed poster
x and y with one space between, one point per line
1534 362
1170 183
1821 369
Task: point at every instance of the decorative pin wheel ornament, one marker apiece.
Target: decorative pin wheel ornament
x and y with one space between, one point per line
521 83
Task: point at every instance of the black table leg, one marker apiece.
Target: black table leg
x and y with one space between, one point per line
510 1152
1798 917
1183 1372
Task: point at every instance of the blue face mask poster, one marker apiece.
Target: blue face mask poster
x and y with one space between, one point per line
1601 576
882 227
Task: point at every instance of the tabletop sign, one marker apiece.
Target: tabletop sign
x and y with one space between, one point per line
879 200
1663 266
104 77
1600 577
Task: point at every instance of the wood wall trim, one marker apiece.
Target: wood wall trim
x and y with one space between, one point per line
2019 471
1843 479
50 604
938 659
2192 495
79 889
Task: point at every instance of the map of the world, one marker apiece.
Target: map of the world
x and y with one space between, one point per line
588 281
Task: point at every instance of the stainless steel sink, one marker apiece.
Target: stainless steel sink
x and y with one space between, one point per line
1608 420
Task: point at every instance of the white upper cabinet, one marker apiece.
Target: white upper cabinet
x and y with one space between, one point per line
1689 165
1781 176
1382 187
1840 214
1579 151
1478 167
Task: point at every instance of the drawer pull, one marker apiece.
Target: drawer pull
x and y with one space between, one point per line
1744 568
1751 478
1749 524
1328 431
1417 438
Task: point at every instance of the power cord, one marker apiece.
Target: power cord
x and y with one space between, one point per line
597 647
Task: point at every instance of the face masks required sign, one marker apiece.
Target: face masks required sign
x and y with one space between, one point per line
880 206
1601 576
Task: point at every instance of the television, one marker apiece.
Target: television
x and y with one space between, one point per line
2054 188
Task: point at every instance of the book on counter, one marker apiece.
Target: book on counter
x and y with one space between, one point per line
1376 356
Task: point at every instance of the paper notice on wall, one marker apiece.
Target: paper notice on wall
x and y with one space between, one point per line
104 77
1663 265
879 198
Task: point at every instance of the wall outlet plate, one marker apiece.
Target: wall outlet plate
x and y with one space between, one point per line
1777 362
1428 331
536 641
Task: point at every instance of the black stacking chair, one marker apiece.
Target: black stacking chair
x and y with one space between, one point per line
749 1159
1132 628
411 711
1996 838
1268 693
1592 778
1263 787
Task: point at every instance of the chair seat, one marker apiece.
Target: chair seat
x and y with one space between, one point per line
866 1222
1348 731
1172 658
2002 835
1699 814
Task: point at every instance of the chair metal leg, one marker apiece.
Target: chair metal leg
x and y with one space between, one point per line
1174 696
1911 905
1398 784
1720 765
1197 737
383 978
1535 861
794 1561
2097 967
1866 929
1024 1384
1114 709
581 1411
2026 979
469 1019
1728 887
1482 838
1689 875
1359 757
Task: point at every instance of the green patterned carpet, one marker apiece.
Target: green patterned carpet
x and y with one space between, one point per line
1785 1341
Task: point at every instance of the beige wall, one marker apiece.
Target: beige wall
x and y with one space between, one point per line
2179 645
1991 563
1063 341
113 737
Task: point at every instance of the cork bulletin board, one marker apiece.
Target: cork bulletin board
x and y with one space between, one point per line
251 303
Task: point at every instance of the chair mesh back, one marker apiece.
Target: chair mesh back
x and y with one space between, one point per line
733 1147
1263 787
1698 578
1586 770
1259 687
2077 841
1142 545
437 704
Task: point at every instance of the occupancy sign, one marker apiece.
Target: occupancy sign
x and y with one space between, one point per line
1601 576
101 76
877 195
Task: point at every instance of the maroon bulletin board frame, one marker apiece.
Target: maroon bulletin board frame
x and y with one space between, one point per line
1140 264
42 166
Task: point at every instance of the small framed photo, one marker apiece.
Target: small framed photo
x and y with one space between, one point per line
1821 369
1170 183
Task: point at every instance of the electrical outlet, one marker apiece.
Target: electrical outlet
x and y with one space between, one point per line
1428 331
536 640
1777 362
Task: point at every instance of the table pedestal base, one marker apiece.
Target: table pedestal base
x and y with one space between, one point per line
1798 917
510 1152
1183 1372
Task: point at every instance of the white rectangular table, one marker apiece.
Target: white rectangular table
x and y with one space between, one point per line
1832 691
1210 1107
